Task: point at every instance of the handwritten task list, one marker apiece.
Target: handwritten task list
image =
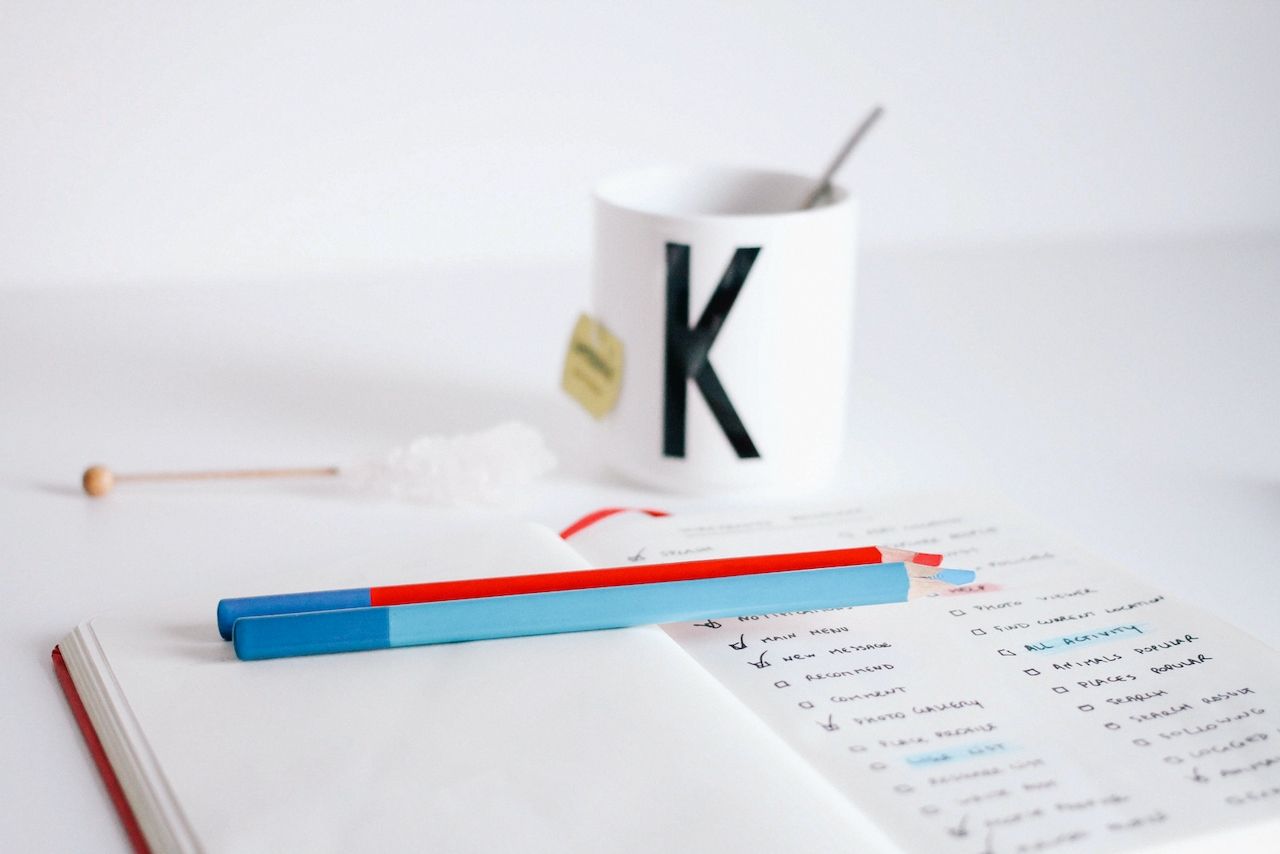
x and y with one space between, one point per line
1053 705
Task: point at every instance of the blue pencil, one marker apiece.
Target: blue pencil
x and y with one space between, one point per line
315 632
230 610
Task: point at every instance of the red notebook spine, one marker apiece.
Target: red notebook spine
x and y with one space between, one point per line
127 818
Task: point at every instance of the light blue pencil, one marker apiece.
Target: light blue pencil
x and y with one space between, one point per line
311 633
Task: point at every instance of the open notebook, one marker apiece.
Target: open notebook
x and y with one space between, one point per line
1053 705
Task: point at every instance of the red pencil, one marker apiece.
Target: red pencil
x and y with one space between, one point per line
230 610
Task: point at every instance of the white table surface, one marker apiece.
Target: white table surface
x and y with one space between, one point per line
1127 394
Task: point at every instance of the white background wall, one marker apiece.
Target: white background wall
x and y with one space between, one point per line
179 143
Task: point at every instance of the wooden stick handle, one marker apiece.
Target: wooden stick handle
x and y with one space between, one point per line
326 471
98 480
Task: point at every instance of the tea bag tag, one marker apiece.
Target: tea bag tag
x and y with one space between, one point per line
593 366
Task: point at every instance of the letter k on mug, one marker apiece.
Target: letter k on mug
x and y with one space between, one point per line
734 308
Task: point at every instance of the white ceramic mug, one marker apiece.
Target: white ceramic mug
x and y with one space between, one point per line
734 307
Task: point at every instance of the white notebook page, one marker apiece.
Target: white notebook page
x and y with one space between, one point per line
1053 705
588 742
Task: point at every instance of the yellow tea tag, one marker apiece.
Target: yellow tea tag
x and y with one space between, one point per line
593 366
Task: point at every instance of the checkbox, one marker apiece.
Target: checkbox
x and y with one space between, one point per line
957 612
1007 652
1060 689
782 684
805 704
978 631
1113 726
1085 708
1031 671
1141 742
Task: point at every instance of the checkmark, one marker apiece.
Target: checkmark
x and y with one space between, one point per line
961 829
